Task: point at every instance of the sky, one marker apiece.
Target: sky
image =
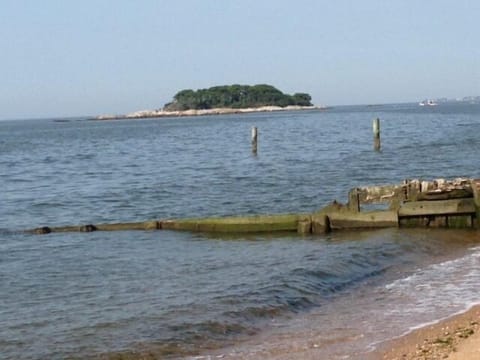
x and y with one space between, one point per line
74 58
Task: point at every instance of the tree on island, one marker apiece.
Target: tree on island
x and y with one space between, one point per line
235 96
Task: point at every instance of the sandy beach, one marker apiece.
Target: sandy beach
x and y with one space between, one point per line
456 338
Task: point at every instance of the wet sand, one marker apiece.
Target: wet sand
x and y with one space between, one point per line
457 337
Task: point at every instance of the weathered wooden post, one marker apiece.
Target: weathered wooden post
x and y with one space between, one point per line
475 183
354 200
376 134
254 140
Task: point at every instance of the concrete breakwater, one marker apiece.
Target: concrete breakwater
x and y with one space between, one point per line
413 203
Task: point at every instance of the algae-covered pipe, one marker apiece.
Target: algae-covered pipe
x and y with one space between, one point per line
259 223
332 217
147 225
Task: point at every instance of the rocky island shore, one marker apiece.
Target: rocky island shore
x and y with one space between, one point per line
202 112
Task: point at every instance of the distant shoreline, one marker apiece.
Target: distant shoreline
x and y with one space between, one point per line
203 112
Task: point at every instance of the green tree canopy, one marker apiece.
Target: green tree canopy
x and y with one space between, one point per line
235 96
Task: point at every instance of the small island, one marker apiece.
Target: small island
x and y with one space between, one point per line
235 97
226 99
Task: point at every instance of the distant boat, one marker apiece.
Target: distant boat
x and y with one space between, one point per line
428 103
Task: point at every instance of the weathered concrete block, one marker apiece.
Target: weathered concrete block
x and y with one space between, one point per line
379 194
460 222
413 222
304 225
151 225
475 184
445 195
320 224
438 221
370 219
441 207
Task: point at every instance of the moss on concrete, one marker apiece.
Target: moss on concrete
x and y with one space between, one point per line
259 223
304 225
320 223
147 225
412 222
460 222
370 219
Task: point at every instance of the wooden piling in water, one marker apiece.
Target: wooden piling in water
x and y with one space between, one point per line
376 134
354 200
254 140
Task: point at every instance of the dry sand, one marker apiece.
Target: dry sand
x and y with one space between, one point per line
456 338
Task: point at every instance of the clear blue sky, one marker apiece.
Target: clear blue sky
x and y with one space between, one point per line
68 58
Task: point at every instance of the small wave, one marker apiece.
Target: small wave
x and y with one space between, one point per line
299 291
373 346
449 267
178 341
451 285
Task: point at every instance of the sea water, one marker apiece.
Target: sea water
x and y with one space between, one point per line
177 294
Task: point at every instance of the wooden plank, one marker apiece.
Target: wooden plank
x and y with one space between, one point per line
440 207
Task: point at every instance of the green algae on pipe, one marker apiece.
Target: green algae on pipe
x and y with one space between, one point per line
358 220
258 223
146 225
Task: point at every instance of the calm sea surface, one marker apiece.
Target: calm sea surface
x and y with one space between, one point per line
182 295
